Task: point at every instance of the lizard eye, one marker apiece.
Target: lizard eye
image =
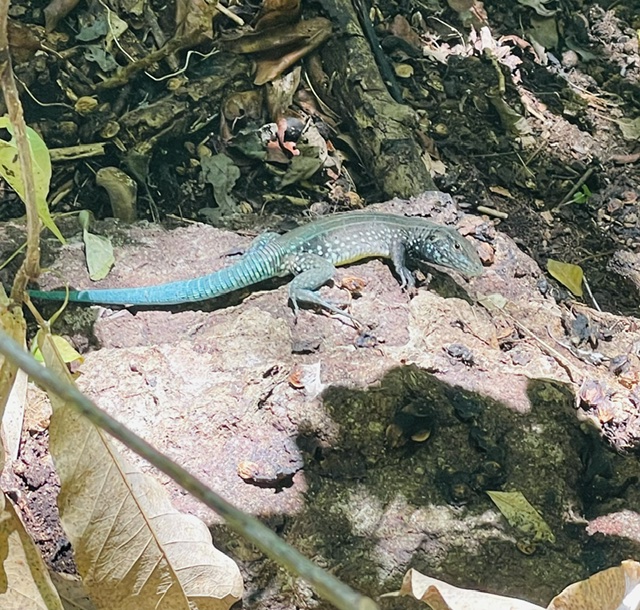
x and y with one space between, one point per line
457 246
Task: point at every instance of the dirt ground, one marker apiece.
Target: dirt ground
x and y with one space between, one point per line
372 454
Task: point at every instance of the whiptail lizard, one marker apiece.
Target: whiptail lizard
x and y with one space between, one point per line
310 253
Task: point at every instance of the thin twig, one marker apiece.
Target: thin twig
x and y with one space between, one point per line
593 300
568 197
483 209
30 267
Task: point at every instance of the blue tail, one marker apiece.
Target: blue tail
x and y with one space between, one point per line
244 273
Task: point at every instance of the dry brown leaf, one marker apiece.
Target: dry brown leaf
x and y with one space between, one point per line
279 94
401 28
11 322
276 12
71 591
24 579
57 10
440 595
24 40
13 417
316 31
133 550
617 588
194 20
296 39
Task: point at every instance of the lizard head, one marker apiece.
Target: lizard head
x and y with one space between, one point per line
447 248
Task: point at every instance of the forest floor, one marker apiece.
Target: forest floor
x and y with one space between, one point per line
534 119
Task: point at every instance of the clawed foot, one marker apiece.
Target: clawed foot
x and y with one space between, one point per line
339 310
329 306
411 289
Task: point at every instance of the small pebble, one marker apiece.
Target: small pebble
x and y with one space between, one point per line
570 59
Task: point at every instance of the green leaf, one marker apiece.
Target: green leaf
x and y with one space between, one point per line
99 254
630 128
583 195
65 349
539 7
302 168
520 514
222 173
11 172
98 250
494 302
567 274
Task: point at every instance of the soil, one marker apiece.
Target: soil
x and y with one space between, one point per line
380 459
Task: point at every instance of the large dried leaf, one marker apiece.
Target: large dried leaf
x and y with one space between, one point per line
57 10
24 581
276 12
132 549
613 589
313 31
13 417
194 19
72 592
440 595
11 322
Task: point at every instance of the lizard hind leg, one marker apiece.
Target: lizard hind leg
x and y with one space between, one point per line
311 272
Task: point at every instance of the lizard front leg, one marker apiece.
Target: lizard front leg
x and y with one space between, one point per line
311 272
398 255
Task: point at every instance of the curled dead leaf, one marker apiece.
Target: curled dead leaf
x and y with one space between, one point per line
617 588
440 595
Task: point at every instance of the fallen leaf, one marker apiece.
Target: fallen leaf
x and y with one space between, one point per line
194 19
301 168
133 550
122 191
99 254
310 35
71 591
401 28
568 275
57 10
222 173
13 324
520 514
276 12
545 32
539 7
24 40
617 588
630 128
280 92
25 581
403 70
493 301
500 190
440 595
